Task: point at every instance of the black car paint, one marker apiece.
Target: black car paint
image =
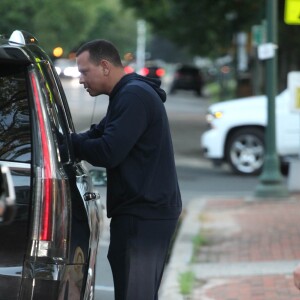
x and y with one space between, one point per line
23 273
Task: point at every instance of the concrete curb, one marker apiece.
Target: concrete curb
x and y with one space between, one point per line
205 271
182 251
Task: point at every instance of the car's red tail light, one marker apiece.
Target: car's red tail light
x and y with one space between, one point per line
51 219
128 69
46 228
144 71
160 72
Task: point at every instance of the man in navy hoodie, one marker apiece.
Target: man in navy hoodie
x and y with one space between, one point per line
133 142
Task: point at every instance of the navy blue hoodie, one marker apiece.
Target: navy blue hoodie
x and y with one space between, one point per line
133 142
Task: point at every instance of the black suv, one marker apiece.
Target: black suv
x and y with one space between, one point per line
187 78
49 245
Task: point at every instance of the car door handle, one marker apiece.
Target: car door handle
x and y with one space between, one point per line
91 196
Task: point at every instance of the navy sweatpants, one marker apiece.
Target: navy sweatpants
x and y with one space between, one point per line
137 255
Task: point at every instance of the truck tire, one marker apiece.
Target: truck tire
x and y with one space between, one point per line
245 151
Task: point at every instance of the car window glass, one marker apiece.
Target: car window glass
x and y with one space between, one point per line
15 133
55 110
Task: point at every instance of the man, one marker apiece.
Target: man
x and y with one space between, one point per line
133 143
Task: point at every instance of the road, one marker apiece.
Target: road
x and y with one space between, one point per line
197 177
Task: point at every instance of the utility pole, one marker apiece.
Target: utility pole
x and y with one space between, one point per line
271 183
141 45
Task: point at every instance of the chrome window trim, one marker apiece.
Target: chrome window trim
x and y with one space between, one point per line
16 165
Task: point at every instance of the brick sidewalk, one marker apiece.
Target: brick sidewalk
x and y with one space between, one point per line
251 232
272 287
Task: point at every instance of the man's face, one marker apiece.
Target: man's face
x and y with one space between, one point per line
92 75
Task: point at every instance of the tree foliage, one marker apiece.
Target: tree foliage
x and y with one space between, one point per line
68 23
116 24
207 27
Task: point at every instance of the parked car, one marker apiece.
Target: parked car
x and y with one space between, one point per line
187 78
236 133
48 249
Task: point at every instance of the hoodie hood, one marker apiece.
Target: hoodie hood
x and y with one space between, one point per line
153 82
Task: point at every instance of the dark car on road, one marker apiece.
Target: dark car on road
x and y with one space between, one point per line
153 71
49 244
187 78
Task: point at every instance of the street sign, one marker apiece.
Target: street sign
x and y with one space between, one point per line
257 35
292 12
266 51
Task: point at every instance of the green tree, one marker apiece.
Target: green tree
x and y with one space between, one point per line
206 27
16 15
63 23
115 23
53 22
70 22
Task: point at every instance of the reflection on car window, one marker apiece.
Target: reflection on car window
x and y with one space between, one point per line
55 110
15 134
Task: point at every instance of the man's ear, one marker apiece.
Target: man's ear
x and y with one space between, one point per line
105 67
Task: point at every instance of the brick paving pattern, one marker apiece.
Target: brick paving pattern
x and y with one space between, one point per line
250 231
249 288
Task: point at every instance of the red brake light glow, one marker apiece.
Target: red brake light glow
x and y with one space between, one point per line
144 71
128 69
46 226
160 72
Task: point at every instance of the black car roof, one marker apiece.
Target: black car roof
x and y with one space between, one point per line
21 47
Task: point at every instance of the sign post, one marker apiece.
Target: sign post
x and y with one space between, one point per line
141 45
271 182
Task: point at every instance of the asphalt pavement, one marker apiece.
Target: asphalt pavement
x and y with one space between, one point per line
249 251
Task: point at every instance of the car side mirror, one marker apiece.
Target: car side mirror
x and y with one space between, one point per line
7 196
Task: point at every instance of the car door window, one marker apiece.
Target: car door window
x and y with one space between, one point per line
15 134
56 111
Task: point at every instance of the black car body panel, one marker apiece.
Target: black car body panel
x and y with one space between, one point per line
49 249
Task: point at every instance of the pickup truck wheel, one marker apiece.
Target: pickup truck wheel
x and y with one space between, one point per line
245 151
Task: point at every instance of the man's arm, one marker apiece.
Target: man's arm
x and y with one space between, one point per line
95 131
122 130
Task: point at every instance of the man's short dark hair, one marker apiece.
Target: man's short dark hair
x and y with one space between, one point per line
101 49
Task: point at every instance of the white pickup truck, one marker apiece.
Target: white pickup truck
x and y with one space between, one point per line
237 132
